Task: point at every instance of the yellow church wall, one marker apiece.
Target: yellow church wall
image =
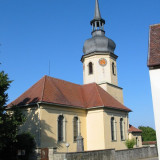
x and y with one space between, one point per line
95 126
114 91
95 130
99 129
49 127
118 144
32 123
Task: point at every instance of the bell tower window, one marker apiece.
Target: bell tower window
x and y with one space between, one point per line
113 68
90 67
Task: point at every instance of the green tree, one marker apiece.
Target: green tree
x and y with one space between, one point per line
130 143
148 133
9 121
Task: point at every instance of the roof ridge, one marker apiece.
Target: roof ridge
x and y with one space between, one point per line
84 97
43 88
99 93
63 80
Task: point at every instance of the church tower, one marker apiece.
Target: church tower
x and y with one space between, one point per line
99 60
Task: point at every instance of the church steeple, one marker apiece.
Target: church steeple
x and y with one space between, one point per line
97 23
99 59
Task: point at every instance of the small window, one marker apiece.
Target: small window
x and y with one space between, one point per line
60 128
113 69
122 132
113 129
137 142
75 128
90 66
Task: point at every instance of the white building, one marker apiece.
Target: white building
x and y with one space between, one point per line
154 71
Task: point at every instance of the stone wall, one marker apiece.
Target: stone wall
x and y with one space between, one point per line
136 153
110 154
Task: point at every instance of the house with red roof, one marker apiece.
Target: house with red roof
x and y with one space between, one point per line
91 116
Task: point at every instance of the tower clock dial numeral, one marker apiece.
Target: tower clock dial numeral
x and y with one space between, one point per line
102 61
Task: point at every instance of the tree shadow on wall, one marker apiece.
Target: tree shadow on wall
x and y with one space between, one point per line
41 130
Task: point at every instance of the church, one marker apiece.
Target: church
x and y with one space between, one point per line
91 116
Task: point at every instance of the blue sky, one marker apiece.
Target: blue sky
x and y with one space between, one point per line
34 32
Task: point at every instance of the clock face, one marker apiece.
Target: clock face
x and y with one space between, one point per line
102 62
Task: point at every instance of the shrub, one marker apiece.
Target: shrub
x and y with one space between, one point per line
25 141
130 143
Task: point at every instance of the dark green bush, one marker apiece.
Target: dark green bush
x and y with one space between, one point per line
130 143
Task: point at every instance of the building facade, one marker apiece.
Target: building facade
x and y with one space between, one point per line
91 116
154 72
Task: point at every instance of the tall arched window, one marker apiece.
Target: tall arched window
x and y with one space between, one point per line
61 128
113 68
75 128
122 129
90 67
113 129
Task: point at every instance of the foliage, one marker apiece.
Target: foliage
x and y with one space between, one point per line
25 141
148 133
10 120
130 143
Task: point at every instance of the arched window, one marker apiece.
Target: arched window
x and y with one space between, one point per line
90 67
61 128
113 68
122 132
75 128
113 129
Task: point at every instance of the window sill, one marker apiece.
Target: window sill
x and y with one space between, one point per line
114 140
61 142
122 139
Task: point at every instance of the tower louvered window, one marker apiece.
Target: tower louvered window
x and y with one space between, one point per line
113 68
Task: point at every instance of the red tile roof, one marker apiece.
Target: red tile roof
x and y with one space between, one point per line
133 129
56 91
149 143
154 46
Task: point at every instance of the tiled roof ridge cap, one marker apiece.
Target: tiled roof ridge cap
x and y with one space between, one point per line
83 97
98 93
43 87
57 79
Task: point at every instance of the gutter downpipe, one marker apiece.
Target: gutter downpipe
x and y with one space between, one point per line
39 125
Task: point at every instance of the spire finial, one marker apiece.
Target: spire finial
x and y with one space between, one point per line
97 23
97 14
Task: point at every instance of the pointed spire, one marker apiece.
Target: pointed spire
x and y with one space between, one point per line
97 14
97 23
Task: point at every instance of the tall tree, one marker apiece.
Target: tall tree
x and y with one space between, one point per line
148 133
9 120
